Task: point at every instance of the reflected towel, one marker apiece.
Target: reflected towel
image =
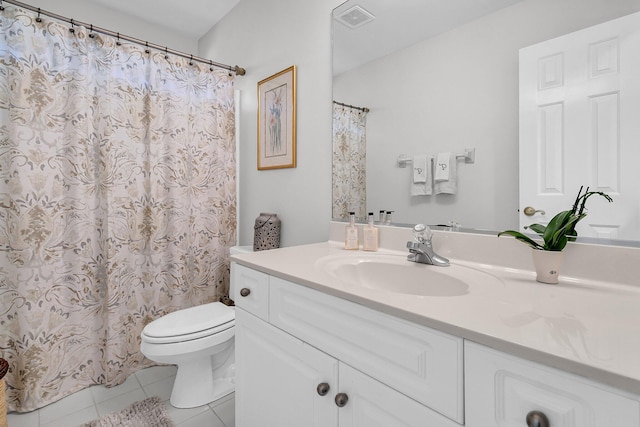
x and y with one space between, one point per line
443 167
451 185
424 188
419 169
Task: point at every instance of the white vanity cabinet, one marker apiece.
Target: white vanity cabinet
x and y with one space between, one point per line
321 361
307 358
502 390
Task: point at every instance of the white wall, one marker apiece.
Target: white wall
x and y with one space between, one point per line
266 37
110 19
454 91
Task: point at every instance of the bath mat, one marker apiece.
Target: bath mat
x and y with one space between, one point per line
150 412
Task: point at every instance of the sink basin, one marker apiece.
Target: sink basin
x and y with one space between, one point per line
393 273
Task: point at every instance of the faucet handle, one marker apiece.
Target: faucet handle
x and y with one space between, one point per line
422 233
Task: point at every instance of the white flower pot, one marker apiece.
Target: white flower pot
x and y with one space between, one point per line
547 264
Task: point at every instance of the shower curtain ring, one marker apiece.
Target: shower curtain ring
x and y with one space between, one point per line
118 40
1 6
146 45
166 53
38 19
72 29
191 60
91 32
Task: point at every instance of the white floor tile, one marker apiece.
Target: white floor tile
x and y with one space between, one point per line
161 388
155 373
225 409
180 415
207 418
72 419
72 403
97 401
121 401
24 419
101 393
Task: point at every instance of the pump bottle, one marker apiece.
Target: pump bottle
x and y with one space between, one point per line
351 234
370 240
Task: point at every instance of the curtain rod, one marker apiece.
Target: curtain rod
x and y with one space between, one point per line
365 109
236 69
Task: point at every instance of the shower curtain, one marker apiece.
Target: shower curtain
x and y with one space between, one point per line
349 162
117 201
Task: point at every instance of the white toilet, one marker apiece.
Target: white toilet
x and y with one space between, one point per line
200 340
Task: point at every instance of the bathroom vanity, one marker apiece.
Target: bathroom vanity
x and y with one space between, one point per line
327 337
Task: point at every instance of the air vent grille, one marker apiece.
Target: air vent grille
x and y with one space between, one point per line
355 17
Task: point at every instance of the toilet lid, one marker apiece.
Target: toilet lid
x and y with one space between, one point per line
191 320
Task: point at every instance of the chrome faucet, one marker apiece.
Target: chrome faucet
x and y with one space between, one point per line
422 249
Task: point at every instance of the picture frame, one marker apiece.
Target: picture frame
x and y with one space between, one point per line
277 120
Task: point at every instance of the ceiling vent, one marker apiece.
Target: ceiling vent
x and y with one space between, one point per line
355 17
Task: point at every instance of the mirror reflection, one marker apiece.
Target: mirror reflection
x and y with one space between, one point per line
440 78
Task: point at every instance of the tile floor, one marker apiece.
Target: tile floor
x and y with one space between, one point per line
96 401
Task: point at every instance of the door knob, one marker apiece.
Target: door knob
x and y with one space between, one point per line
245 292
531 211
323 389
537 419
341 399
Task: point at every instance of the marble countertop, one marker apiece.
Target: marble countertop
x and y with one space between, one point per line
587 327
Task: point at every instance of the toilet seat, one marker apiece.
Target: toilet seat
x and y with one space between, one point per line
190 324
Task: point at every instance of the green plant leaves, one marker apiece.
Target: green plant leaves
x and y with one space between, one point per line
522 237
561 228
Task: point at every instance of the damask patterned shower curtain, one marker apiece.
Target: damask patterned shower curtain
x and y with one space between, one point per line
117 201
349 162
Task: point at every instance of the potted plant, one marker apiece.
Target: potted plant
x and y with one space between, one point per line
547 255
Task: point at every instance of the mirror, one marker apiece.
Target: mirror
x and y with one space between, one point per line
442 76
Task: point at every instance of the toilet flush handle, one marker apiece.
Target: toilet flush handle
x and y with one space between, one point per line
244 292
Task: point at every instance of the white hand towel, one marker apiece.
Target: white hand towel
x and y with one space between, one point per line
450 186
419 169
424 188
443 167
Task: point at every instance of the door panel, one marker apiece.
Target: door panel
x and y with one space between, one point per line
277 376
579 104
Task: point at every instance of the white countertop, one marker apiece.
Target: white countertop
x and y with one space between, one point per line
587 327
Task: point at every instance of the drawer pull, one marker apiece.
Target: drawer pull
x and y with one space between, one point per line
537 419
245 292
323 389
341 399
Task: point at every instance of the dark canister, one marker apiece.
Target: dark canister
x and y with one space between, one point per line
266 232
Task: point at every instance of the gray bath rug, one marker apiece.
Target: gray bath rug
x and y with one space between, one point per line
150 412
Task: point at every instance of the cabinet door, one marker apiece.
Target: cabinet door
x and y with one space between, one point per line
277 377
419 362
373 404
502 389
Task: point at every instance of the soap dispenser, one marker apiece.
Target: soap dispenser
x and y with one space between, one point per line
370 239
351 233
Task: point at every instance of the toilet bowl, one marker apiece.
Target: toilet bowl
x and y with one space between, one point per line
200 341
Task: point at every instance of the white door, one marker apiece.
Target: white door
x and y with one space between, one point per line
277 378
373 404
580 125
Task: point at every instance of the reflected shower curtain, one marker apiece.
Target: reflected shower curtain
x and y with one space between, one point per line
349 162
117 201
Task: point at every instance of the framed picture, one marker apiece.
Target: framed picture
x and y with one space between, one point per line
277 120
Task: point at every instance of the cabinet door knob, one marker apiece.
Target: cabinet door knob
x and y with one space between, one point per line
323 389
245 292
537 419
341 399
